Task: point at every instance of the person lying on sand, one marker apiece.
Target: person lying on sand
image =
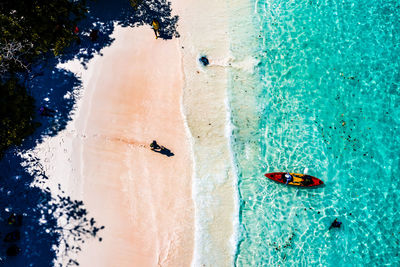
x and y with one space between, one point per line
160 149
154 145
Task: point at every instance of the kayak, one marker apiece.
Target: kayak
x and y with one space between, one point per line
302 180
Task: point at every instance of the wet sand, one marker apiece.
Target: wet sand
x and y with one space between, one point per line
204 29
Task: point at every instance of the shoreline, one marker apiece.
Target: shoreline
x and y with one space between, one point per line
205 106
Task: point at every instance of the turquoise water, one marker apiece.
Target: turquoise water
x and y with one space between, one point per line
324 97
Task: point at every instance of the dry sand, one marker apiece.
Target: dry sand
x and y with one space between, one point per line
143 198
138 90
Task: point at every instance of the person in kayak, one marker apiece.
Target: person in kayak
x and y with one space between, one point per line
289 178
335 224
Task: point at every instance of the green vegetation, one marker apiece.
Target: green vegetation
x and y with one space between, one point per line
135 3
16 113
29 30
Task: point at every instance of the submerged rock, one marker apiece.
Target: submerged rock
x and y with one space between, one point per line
204 61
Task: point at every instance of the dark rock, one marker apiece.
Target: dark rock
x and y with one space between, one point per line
204 61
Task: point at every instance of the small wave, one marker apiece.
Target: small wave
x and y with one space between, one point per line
248 64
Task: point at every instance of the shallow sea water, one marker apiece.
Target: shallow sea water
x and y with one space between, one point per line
324 98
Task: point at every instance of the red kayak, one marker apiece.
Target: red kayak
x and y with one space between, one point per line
302 180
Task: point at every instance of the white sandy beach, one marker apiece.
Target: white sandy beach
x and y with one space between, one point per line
143 198
157 210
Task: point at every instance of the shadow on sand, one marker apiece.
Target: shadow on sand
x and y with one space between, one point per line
164 151
41 236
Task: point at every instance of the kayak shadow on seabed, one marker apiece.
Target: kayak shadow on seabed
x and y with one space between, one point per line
294 187
37 238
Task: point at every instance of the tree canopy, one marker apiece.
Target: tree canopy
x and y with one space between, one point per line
16 111
29 28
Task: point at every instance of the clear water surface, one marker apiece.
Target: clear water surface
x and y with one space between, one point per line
324 96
